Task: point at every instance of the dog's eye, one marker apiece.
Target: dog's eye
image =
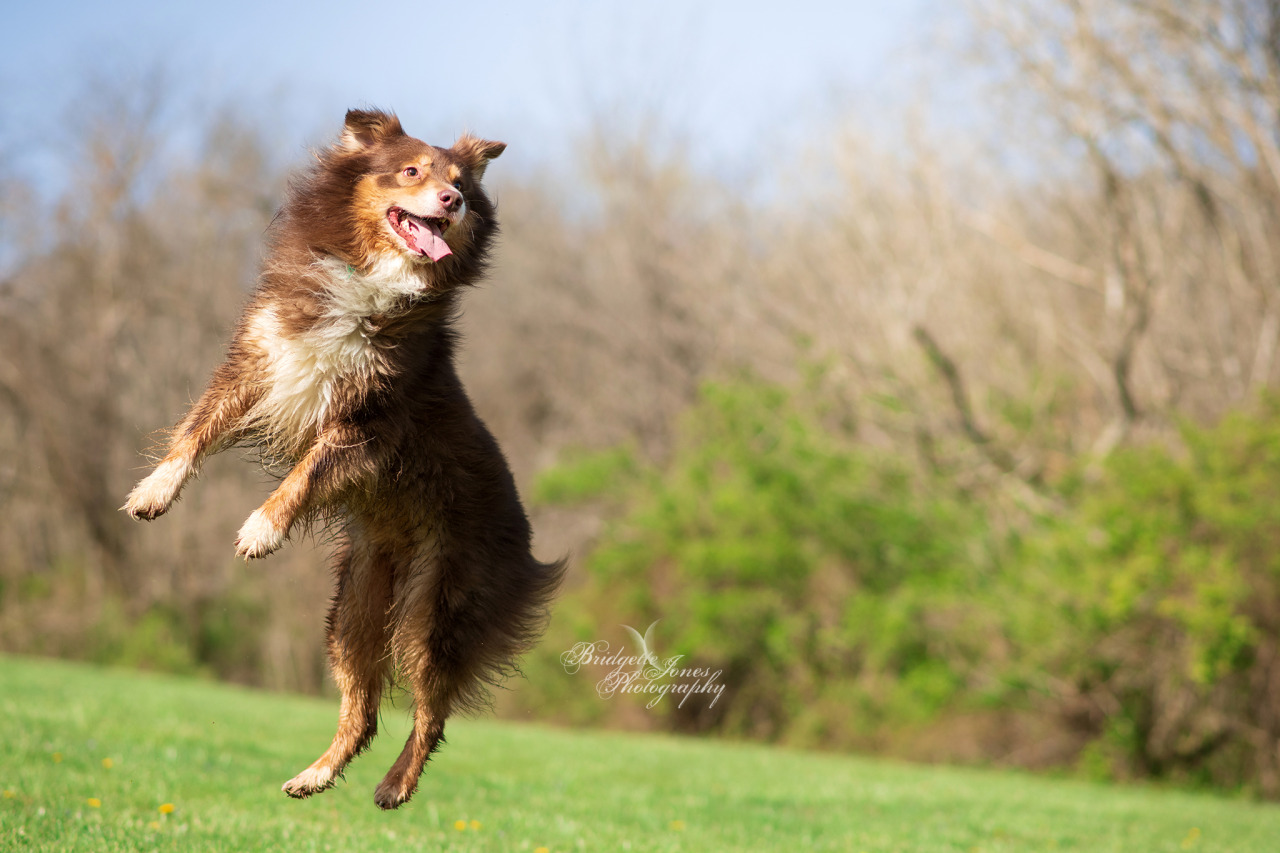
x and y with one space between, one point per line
457 185
410 172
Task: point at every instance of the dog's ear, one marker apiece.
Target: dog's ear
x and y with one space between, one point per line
477 153
363 128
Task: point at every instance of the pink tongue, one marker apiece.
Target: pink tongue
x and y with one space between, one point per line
425 238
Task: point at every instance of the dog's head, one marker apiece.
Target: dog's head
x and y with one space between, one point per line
379 194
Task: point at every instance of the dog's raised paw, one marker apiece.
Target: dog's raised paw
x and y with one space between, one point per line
143 510
152 497
258 537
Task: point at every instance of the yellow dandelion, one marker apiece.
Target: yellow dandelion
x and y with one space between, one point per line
94 802
1193 835
460 825
475 825
107 763
155 824
9 795
677 825
57 758
542 850
166 808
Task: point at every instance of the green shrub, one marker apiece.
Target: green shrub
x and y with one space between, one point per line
220 637
158 639
812 572
1159 593
853 597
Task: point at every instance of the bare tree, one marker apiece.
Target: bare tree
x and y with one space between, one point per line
1174 108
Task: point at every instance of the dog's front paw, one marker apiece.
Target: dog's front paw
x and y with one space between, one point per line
155 494
258 537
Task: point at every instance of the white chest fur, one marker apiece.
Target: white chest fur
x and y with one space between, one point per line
304 370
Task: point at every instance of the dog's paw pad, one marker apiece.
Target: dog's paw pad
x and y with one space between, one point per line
258 537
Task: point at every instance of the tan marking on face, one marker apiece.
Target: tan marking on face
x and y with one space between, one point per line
372 203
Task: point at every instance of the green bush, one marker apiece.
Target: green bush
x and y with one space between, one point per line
1159 605
159 639
853 597
219 637
830 586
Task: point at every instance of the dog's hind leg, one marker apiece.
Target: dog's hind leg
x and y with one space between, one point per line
457 631
433 657
428 733
359 656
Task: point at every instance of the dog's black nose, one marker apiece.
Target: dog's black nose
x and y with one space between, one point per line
450 199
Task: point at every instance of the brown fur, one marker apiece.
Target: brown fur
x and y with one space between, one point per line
341 373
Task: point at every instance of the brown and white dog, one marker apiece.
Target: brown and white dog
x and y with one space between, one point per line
341 372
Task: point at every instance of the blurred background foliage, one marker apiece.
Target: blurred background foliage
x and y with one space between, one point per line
955 449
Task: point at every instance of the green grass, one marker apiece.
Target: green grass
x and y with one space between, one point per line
218 754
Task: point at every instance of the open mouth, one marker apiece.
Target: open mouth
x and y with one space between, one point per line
422 234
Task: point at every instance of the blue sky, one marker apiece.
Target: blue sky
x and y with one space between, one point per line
734 79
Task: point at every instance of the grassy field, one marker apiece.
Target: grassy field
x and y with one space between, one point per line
103 760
